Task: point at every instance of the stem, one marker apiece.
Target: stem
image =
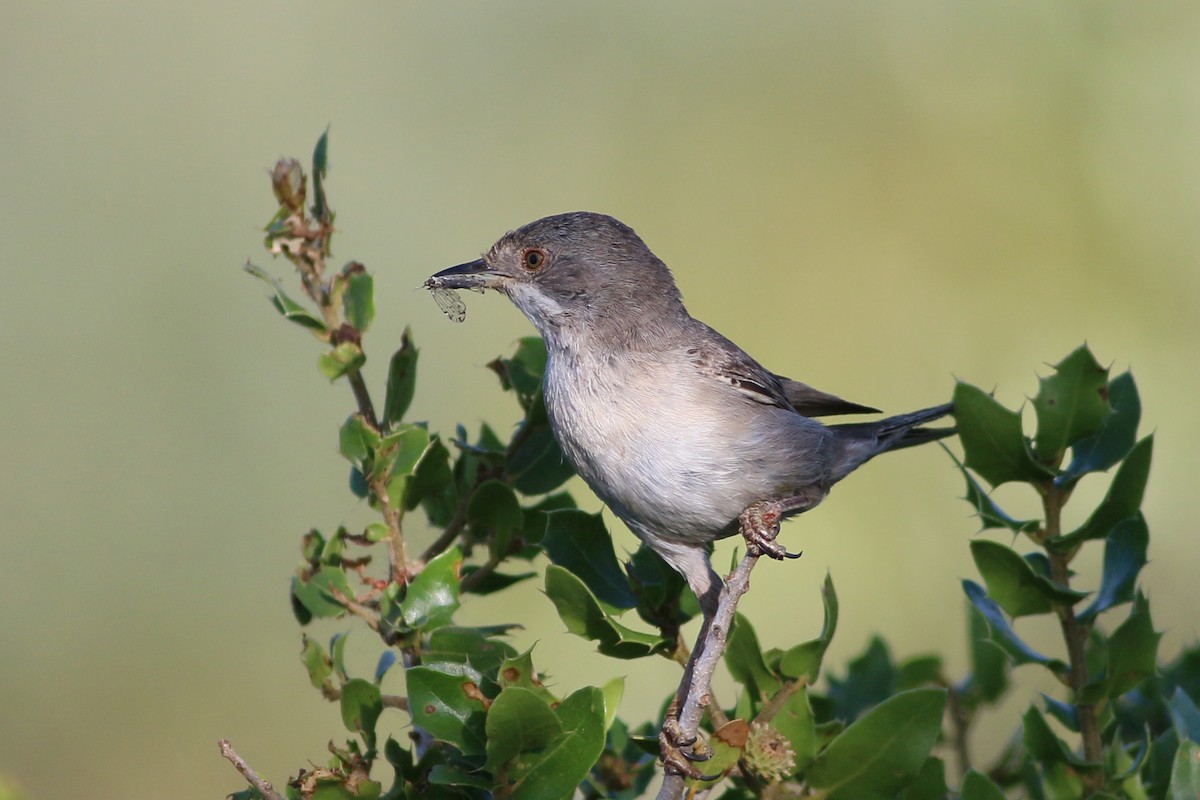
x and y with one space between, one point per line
264 787
1075 634
697 677
397 558
960 724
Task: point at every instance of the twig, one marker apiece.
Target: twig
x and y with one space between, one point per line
368 615
1076 635
264 787
698 675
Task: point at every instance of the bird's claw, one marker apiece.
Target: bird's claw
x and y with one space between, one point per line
760 526
679 751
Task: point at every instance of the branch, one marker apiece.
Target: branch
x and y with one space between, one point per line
264 787
697 677
1075 633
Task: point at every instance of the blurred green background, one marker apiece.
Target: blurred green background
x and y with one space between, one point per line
873 197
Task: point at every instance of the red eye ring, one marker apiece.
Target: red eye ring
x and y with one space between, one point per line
533 259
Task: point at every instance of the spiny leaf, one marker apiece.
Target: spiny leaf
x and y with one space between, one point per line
1124 557
1122 501
432 596
1014 584
992 439
580 542
584 616
1071 404
446 700
518 721
990 514
1002 633
1116 435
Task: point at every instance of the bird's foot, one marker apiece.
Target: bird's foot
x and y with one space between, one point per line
679 752
760 526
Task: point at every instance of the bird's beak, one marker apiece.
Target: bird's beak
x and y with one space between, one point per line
472 275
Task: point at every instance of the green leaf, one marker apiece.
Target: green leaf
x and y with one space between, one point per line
804 660
519 721
317 593
286 306
518 671
537 465
495 516
1185 717
405 447
445 699
883 751
1185 774
579 542
1116 436
432 596
320 166
523 372
357 440
557 769
337 653
919 671
992 439
1123 500
1003 635
1071 404
401 381
583 615
1014 584
613 691
361 707
468 646
744 659
870 679
344 358
1132 651
358 303
990 514
431 476
1045 747
795 721
989 664
977 786
930 783
1124 557
316 662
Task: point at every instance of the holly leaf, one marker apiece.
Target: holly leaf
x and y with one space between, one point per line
883 751
1071 404
992 439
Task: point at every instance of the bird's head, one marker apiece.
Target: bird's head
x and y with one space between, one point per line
572 270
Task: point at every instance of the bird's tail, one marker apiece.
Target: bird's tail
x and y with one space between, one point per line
862 441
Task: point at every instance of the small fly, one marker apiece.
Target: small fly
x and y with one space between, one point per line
450 303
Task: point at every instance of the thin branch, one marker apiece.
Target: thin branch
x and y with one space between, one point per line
697 677
1075 633
264 787
368 615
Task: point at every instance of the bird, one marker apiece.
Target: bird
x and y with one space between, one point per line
680 432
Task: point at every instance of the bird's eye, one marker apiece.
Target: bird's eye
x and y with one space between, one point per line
533 259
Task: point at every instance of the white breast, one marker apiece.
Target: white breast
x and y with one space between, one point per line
634 429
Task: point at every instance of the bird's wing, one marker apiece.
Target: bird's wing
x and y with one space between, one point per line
717 358
814 403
